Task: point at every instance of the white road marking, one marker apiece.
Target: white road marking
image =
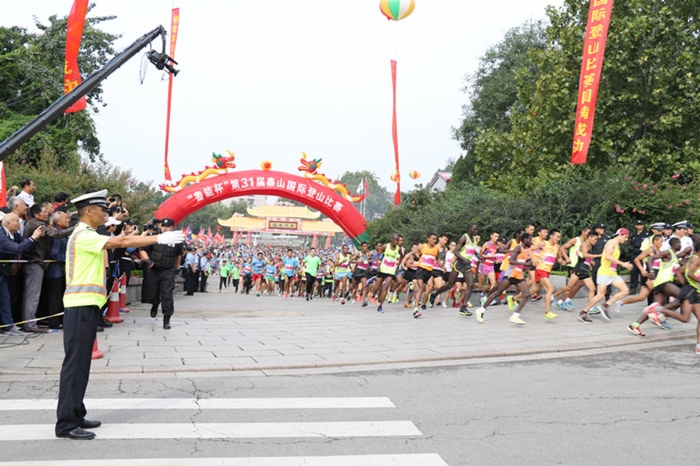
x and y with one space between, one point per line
426 459
211 403
23 432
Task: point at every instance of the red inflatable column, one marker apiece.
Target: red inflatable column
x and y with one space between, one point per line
249 239
328 241
314 243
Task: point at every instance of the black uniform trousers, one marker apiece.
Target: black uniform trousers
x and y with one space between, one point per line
148 286
79 331
636 274
190 281
203 281
164 283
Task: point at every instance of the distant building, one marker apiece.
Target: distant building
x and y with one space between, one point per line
439 181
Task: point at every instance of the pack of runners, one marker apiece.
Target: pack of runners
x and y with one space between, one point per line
510 272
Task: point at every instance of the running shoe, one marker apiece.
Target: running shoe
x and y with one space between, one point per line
636 330
650 308
257 294
665 325
469 304
550 315
380 310
333 298
654 317
407 305
445 305
431 299
365 304
465 312
561 306
595 311
604 308
511 305
416 313
583 317
535 297
617 306
423 308
569 305
480 315
517 320
285 296
342 300
483 301
307 298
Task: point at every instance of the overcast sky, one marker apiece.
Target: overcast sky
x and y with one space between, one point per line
269 79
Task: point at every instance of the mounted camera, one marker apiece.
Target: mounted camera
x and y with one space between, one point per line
161 60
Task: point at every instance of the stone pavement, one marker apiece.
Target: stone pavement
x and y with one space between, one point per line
233 332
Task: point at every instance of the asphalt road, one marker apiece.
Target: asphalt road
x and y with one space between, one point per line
628 406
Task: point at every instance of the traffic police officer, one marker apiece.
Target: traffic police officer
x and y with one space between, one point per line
84 296
163 260
636 239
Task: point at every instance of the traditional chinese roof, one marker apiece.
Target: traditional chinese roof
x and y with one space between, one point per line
260 224
246 223
278 211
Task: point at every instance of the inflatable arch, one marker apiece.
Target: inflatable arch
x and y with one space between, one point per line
266 182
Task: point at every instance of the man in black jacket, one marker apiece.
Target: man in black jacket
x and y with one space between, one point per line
636 239
36 262
11 246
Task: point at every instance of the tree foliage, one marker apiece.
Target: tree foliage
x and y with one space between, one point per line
648 102
31 78
493 93
379 199
208 216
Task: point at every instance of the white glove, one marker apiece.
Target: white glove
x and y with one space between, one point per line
171 237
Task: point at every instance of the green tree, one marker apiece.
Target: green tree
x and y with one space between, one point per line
208 216
31 78
379 199
648 101
493 93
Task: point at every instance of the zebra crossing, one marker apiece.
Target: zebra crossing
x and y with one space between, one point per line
187 429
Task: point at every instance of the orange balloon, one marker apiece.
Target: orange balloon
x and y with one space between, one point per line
414 174
395 177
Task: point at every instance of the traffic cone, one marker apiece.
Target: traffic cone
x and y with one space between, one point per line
96 353
113 305
122 294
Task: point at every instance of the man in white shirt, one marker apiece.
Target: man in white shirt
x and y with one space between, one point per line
27 192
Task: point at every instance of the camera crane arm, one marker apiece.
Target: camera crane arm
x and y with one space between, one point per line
56 109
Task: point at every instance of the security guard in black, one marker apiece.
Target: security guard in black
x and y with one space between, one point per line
163 261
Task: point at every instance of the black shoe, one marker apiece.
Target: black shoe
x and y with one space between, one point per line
87 424
154 312
78 434
104 324
100 329
432 299
166 322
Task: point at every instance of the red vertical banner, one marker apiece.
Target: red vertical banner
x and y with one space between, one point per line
174 25
74 33
395 136
591 68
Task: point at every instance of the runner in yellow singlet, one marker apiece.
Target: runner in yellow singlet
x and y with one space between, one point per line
607 275
391 258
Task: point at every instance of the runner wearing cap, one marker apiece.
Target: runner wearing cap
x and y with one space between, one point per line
679 231
607 275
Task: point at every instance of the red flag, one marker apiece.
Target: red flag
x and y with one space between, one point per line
209 235
3 185
201 236
366 188
395 136
591 68
219 237
74 32
174 25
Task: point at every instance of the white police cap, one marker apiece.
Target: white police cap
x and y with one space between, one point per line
98 198
658 226
681 224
